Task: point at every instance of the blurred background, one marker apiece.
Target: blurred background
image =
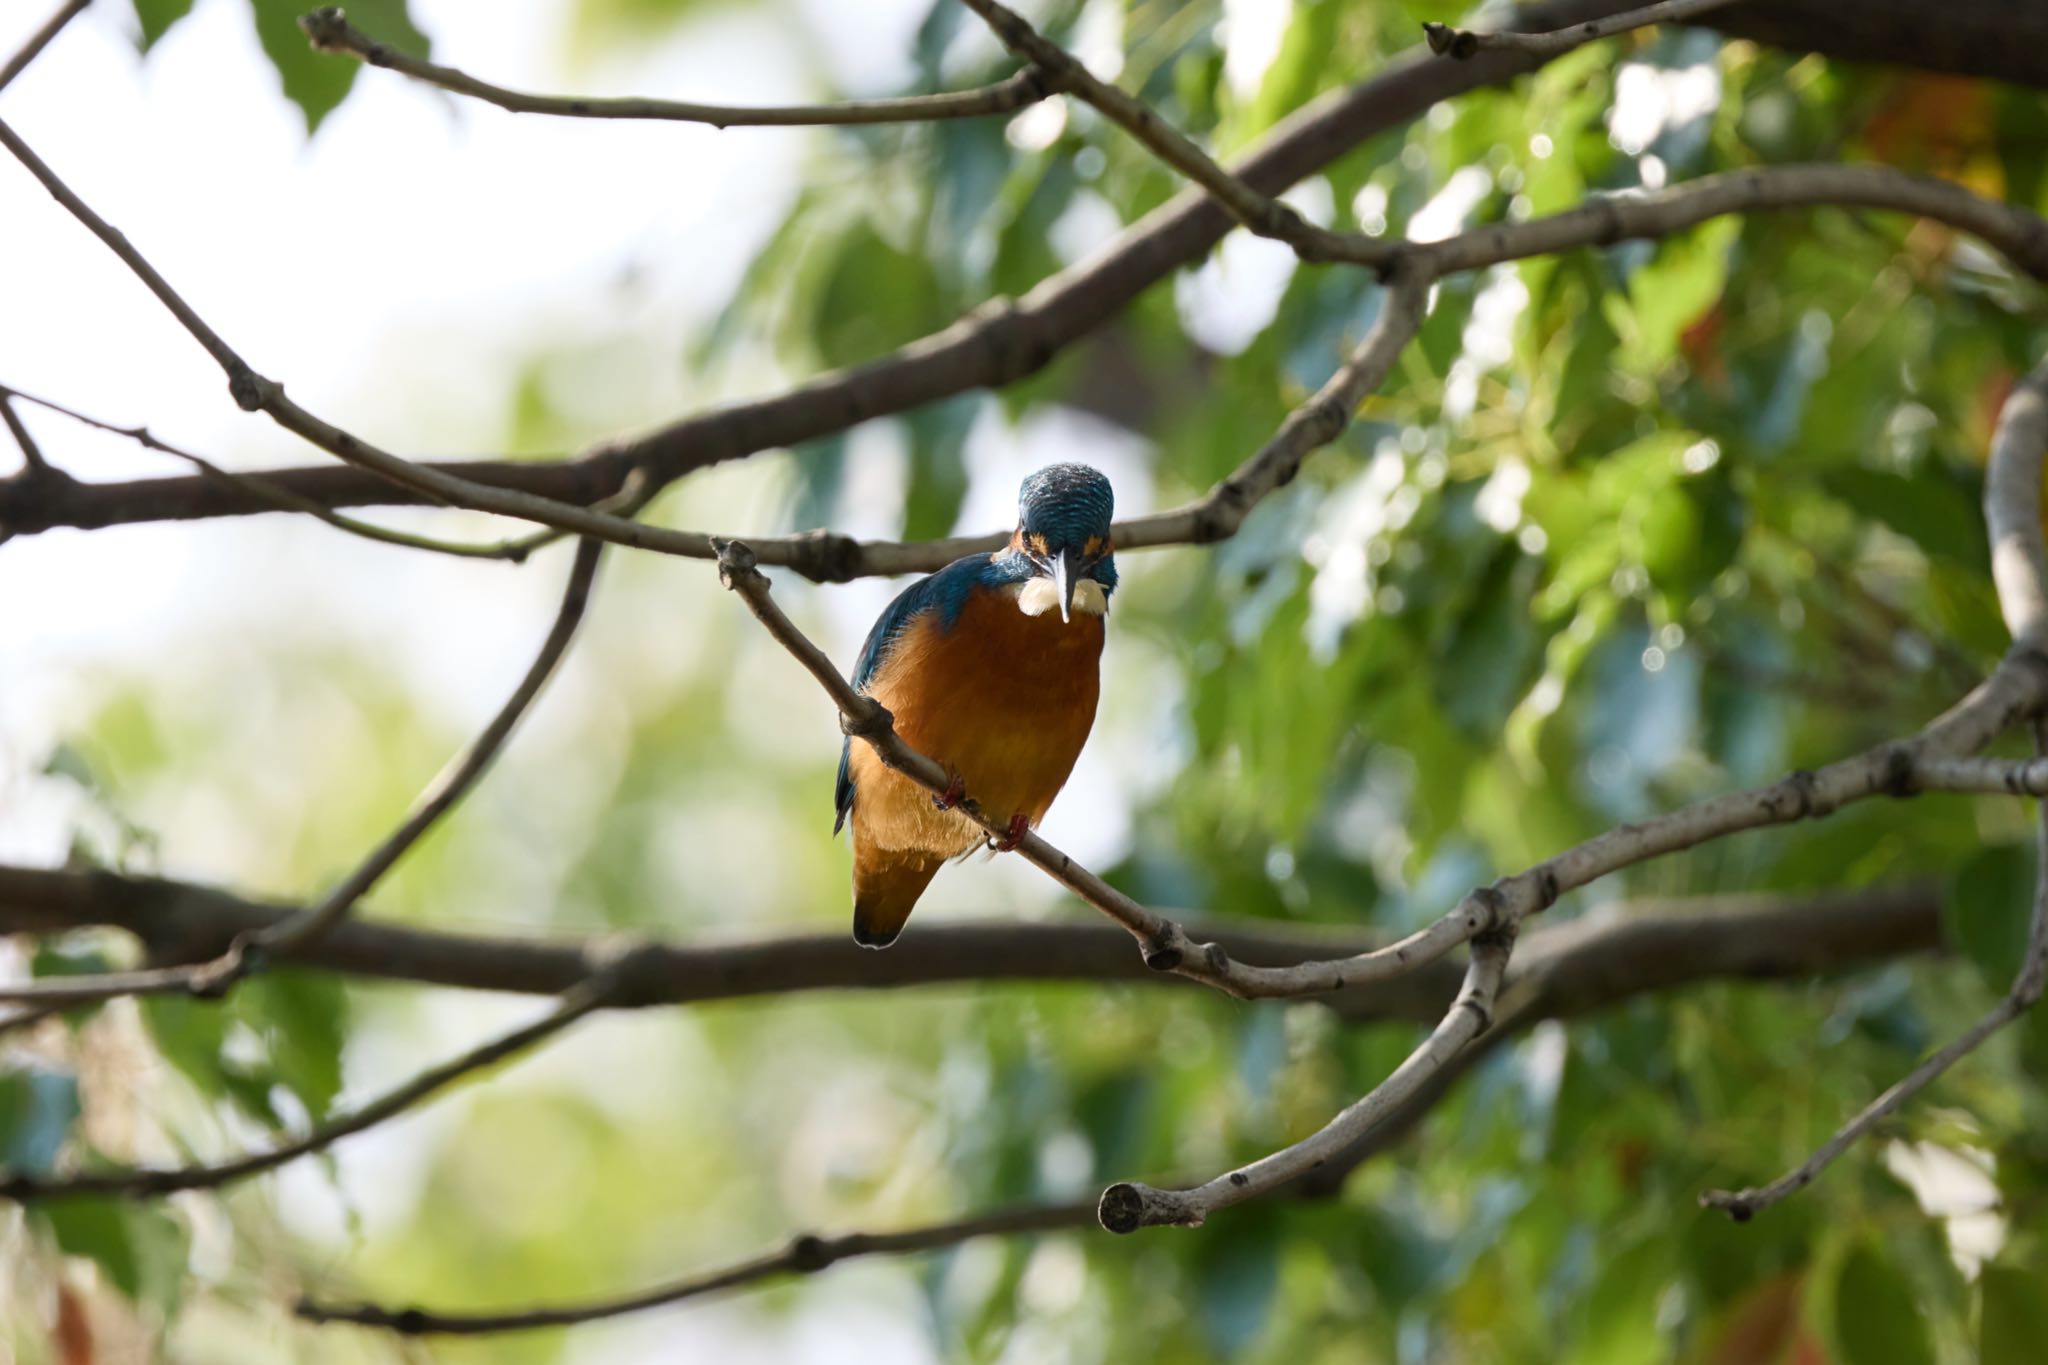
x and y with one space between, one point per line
1625 528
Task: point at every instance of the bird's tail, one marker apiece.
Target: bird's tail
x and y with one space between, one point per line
886 885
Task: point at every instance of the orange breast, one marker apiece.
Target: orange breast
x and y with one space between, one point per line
1004 699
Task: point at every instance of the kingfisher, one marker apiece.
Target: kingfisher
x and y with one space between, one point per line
990 668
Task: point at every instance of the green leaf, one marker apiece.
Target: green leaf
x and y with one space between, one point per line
1876 1322
156 18
303 1016
1926 508
2013 1324
139 1247
319 81
1988 909
37 1109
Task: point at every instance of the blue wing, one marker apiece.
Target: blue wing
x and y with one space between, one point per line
944 592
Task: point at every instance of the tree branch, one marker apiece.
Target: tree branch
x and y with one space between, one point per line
805 1255
329 31
1646 944
1463 44
1561 971
998 344
256 485
250 951
1129 1205
40 39
2012 493
148 1182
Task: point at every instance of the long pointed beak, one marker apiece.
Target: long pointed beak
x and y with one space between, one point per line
1064 582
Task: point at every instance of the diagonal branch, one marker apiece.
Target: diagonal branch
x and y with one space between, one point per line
329 31
258 486
250 951
805 1255
145 1182
32 462
2019 234
1561 971
2025 993
40 39
1642 945
1463 44
996 345
2019 562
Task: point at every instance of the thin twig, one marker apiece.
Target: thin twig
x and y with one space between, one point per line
1129 1205
1463 44
2025 993
251 951
32 461
805 1255
2019 563
329 31
281 497
40 39
144 1182
826 556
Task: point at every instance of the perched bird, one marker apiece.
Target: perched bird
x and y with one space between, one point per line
989 666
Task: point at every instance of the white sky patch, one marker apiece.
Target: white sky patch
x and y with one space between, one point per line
1252 32
1488 339
1957 1186
1650 99
1338 549
1499 503
1233 296
1447 209
1369 207
1088 221
1037 127
1099 39
1314 200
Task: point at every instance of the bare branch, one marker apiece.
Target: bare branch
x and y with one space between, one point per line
250 952
1742 1205
329 31
1128 1206
826 556
277 495
40 39
1463 44
805 1255
1262 213
2016 233
146 1182
1584 965
998 344
2012 492
32 462
1642 945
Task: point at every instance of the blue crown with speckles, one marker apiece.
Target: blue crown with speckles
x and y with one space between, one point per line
1066 503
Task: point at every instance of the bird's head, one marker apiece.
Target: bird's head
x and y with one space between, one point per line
1063 516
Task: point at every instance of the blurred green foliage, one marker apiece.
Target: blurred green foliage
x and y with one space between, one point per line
1627 527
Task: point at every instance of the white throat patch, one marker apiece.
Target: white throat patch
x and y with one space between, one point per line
1036 597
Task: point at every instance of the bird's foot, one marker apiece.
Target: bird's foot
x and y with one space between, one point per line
956 788
1020 825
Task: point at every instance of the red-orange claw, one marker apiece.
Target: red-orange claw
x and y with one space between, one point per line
1020 825
956 788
